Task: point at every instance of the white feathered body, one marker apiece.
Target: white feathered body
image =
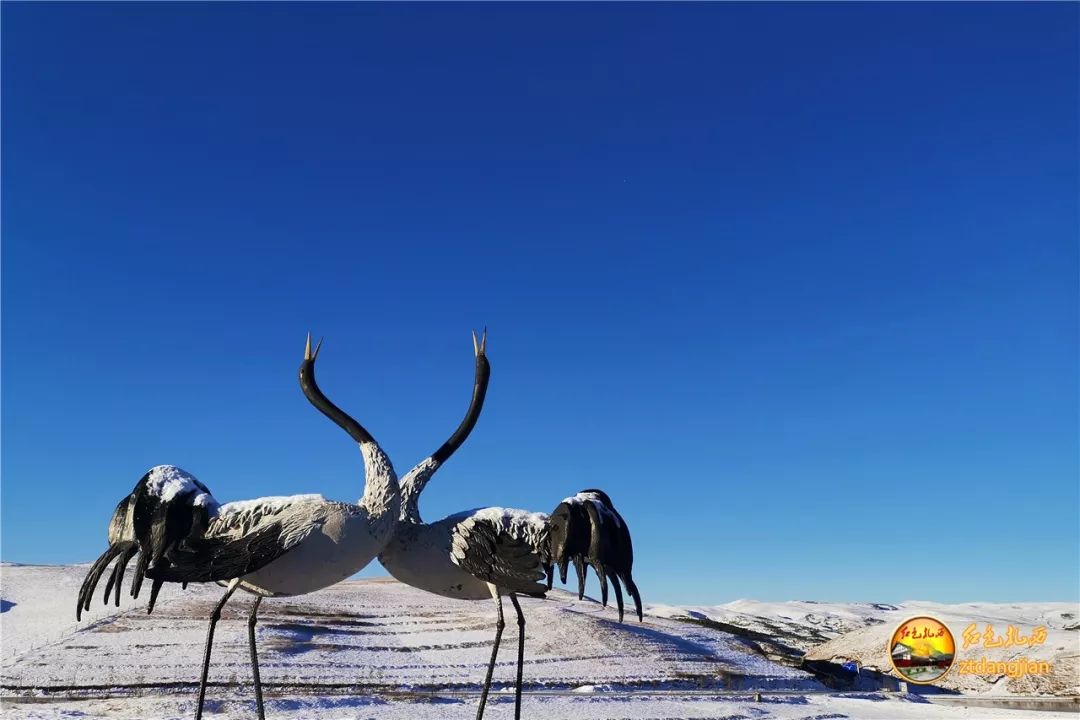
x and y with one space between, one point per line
328 541
307 542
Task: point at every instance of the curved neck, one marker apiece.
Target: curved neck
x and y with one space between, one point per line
322 403
416 479
380 481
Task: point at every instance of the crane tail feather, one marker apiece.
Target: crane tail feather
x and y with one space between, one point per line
116 577
602 577
122 565
154 590
93 575
618 594
96 571
587 528
166 507
631 588
140 574
110 583
579 566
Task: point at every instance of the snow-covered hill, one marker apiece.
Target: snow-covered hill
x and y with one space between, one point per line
374 633
1061 648
839 632
798 625
376 648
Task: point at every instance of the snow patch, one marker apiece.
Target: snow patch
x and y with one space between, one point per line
168 481
270 503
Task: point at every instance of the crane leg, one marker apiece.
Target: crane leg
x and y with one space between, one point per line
255 657
494 653
521 655
214 617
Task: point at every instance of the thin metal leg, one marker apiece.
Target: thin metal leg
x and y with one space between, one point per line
521 656
494 653
214 617
255 657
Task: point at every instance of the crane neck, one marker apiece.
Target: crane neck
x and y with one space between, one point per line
412 485
382 496
381 492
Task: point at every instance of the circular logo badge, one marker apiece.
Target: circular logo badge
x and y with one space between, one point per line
922 650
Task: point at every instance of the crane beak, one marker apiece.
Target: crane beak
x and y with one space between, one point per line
479 348
308 355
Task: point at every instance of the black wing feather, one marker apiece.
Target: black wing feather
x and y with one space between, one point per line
220 558
487 552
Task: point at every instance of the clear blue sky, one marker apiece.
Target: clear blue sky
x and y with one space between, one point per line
795 284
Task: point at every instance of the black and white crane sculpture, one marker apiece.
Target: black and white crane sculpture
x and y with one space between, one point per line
494 551
269 547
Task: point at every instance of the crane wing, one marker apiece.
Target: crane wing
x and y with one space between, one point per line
504 547
222 558
587 530
242 538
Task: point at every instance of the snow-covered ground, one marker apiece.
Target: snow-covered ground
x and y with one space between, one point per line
39 606
376 648
589 707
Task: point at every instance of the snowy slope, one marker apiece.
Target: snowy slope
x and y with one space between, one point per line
373 633
799 624
376 648
39 605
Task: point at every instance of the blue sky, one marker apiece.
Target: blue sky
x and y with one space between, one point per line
795 284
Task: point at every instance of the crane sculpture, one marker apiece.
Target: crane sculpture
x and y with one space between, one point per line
268 547
494 551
